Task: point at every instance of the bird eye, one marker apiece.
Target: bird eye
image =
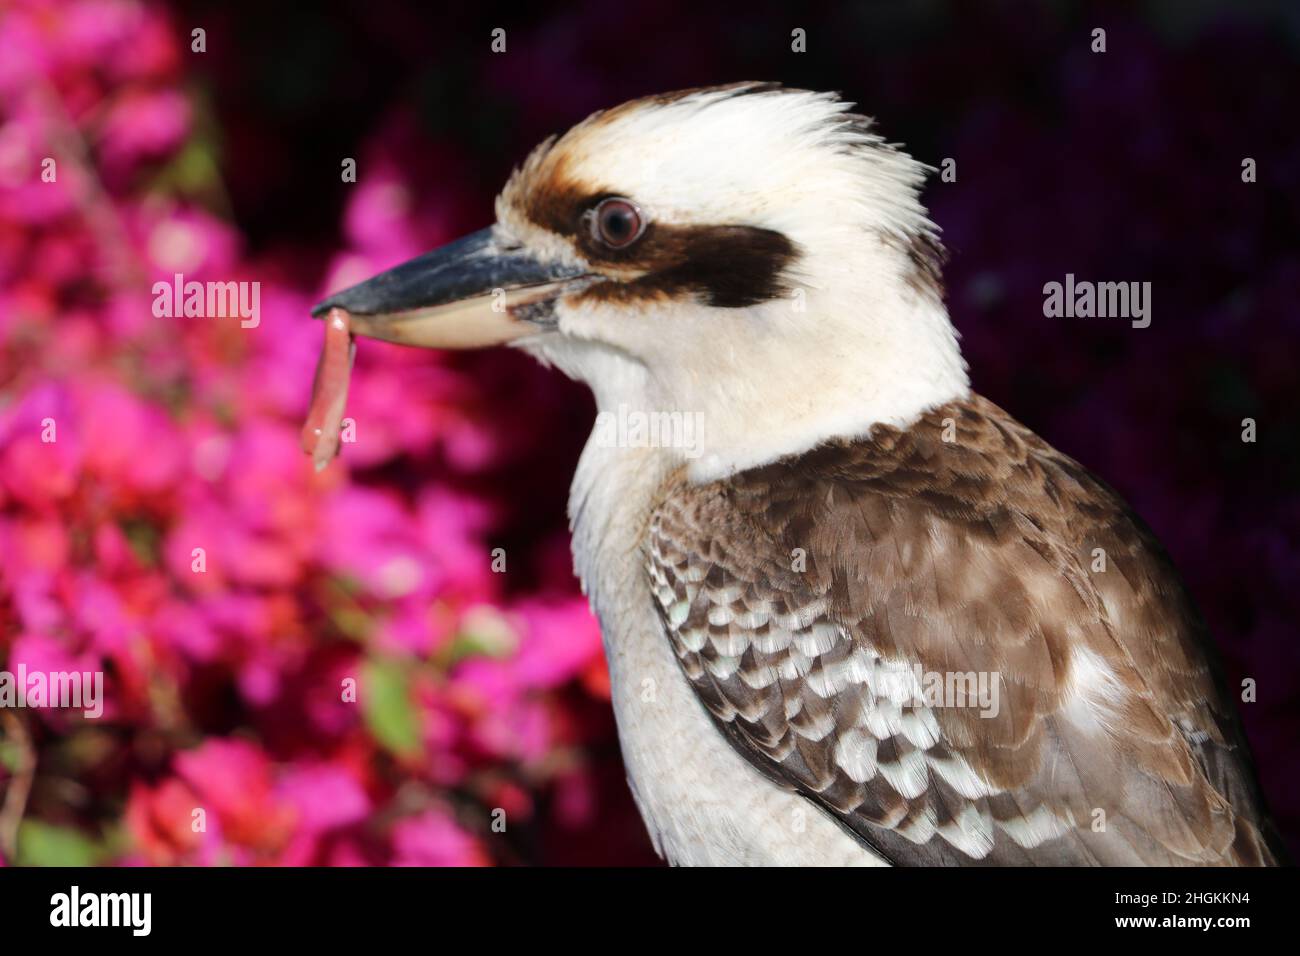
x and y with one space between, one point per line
617 223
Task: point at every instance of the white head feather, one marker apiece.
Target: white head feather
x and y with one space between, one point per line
857 340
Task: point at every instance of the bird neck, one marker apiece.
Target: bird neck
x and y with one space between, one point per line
734 389
847 374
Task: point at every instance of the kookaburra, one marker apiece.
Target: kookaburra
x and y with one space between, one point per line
786 599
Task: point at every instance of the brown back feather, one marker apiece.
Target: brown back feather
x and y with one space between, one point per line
972 554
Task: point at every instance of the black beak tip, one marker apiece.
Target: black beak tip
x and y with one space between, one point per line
375 296
348 300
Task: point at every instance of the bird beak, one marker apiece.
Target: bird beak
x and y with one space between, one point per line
471 293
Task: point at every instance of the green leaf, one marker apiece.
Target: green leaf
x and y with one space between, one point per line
10 756
484 633
386 704
43 844
144 539
467 644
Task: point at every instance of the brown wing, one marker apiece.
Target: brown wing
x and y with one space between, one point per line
846 616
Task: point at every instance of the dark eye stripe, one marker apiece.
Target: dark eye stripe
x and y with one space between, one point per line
724 266
727 266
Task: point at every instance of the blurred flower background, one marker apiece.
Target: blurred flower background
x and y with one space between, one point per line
481 697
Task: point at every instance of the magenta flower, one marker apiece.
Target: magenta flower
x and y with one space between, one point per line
434 839
159 523
233 782
143 125
325 797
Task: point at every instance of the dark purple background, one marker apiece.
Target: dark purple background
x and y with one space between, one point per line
1120 166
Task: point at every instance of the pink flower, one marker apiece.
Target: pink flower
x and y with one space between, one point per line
47 655
130 444
325 796
143 125
371 540
28 195
416 628
378 217
454 527
560 641
54 657
505 720
185 240
183 626
434 839
101 613
39 608
34 545
159 522
40 449
232 780
162 821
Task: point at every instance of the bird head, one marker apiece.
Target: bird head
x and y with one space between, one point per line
753 255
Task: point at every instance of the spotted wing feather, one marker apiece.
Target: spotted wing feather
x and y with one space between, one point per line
812 602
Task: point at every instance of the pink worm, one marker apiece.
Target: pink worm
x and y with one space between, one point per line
329 392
